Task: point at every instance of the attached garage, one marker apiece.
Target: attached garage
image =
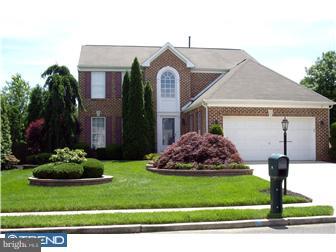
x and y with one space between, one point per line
256 138
250 102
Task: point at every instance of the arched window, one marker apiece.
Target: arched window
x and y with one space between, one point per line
168 84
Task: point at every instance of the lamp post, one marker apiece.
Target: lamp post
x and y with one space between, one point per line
284 124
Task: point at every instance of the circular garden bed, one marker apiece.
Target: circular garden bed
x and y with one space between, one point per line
69 168
191 172
70 182
200 155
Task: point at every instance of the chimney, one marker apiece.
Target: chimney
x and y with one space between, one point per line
189 41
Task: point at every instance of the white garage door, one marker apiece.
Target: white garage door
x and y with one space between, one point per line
256 138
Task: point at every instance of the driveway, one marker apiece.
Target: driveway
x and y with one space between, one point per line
316 180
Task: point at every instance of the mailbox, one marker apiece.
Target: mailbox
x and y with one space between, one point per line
278 170
278 165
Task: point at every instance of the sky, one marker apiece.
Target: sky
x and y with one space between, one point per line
285 35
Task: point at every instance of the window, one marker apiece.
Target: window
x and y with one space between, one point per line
168 84
98 85
98 132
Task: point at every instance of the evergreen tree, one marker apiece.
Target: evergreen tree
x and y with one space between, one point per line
125 107
61 121
134 146
16 92
5 136
36 104
150 119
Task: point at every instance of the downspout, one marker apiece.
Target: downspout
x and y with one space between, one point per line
206 117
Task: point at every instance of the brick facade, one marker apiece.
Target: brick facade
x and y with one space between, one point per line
190 85
321 115
200 80
109 108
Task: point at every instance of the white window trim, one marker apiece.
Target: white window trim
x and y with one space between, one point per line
104 85
92 128
177 83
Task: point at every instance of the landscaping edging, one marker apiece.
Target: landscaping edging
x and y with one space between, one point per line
142 228
222 172
70 182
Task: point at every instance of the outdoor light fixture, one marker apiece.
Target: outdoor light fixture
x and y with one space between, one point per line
284 124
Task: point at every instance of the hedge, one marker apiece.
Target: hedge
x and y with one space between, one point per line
93 168
59 171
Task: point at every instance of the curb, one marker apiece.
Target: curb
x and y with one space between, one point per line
144 228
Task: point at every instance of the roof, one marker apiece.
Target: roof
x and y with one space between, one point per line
252 82
111 56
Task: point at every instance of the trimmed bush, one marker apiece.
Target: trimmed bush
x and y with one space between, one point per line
208 149
216 129
38 159
93 168
101 153
59 171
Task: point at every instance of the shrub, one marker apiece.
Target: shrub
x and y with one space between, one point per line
216 129
332 150
59 171
41 158
20 151
34 136
185 166
101 153
152 156
113 152
66 155
93 168
208 149
238 166
82 146
9 162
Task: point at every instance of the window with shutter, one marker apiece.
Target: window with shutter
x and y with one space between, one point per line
98 85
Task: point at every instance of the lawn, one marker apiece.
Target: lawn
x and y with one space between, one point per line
157 217
134 187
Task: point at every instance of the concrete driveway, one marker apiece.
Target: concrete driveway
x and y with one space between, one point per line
316 180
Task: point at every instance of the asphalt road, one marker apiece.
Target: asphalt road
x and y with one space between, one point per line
300 229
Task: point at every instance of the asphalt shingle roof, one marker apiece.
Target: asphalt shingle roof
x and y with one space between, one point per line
100 56
250 80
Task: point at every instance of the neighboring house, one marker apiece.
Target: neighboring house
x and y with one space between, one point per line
196 87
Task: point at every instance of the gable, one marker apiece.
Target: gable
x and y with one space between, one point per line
169 47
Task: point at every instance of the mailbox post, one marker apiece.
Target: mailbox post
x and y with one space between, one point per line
278 170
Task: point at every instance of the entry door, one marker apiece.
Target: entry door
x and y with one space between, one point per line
168 131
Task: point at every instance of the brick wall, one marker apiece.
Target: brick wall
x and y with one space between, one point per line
200 80
110 107
185 118
322 130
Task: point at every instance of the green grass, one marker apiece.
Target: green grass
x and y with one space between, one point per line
134 187
157 217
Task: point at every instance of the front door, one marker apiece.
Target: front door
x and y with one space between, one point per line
168 131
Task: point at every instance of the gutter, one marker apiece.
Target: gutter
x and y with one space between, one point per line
206 116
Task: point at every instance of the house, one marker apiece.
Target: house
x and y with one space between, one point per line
196 87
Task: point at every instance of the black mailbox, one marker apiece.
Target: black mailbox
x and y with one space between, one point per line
278 170
278 165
